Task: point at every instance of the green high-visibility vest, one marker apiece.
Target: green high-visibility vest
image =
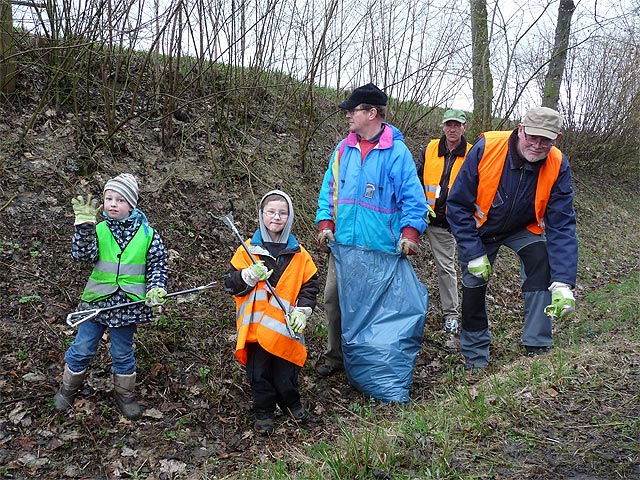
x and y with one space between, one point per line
117 268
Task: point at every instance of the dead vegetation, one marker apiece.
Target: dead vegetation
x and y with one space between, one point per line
576 414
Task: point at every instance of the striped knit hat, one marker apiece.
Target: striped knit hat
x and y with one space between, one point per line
126 185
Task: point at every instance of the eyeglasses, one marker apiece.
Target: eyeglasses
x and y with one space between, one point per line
273 213
539 140
351 111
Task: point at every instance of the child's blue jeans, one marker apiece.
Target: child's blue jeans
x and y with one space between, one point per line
85 345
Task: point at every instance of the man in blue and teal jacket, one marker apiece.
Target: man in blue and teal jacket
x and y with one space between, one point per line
371 196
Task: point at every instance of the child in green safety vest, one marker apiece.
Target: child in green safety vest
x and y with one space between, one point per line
130 264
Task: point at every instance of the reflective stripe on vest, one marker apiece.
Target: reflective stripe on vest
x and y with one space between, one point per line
434 168
259 316
490 171
117 268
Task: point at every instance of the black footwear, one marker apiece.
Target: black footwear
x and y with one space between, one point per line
535 351
326 370
299 413
264 425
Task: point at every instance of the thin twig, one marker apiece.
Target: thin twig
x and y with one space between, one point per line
8 202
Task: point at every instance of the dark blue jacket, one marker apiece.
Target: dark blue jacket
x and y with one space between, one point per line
513 209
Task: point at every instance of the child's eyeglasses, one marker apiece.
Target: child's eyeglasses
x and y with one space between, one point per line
273 213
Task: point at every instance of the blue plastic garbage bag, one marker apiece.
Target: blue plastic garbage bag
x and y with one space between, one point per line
383 306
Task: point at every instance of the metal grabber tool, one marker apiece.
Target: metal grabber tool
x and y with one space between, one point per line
76 318
228 221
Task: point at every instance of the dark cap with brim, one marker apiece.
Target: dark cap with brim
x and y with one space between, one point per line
369 94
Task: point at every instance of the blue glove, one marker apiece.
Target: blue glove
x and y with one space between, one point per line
480 267
563 304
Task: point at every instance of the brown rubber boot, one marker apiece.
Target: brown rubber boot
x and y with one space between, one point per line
123 388
71 383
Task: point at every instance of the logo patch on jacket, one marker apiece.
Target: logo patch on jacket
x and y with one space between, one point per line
369 190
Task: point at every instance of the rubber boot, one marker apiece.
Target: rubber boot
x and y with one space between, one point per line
123 388
71 383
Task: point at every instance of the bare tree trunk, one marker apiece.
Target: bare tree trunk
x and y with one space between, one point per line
7 62
481 72
559 57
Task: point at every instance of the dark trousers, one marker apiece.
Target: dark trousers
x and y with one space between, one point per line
273 380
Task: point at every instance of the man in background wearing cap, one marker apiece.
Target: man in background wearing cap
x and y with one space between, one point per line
515 189
371 196
441 161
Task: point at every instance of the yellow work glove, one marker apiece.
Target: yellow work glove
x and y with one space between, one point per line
298 318
85 210
155 296
430 213
480 267
563 303
255 273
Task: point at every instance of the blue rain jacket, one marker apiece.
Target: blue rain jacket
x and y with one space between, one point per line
371 202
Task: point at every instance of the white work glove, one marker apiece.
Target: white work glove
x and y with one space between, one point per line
324 238
155 296
480 267
563 303
256 272
298 318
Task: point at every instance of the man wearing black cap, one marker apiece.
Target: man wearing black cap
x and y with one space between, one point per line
371 196
514 189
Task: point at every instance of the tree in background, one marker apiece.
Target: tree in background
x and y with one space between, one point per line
480 69
7 62
553 80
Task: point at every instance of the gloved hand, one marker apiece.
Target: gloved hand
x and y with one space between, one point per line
480 267
430 213
155 296
407 247
85 210
324 237
408 244
563 303
298 318
256 272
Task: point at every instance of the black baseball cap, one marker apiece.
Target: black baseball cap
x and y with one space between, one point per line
369 94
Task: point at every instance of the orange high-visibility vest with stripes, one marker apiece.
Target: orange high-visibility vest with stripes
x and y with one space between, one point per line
433 168
259 317
490 171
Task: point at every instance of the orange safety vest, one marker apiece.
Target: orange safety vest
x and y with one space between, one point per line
433 168
490 172
259 317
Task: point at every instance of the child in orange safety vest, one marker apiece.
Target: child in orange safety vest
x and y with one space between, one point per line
270 342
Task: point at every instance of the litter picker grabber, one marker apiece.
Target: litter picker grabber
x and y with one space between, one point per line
228 221
76 318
